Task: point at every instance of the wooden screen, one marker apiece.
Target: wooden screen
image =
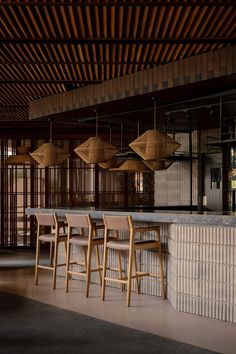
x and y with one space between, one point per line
71 184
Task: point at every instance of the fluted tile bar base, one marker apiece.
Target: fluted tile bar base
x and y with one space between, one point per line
202 270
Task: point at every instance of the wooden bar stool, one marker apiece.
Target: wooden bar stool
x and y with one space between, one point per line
54 238
88 239
131 244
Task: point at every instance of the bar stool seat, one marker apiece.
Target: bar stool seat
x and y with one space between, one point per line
120 245
54 238
49 237
88 240
84 240
131 244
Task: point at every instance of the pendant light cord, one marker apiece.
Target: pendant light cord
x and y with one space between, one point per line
96 124
110 133
155 113
121 137
50 130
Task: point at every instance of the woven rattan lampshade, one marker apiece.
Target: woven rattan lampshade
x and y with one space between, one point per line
95 150
154 145
159 165
50 154
22 157
131 165
112 163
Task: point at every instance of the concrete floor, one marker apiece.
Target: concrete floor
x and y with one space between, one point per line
147 313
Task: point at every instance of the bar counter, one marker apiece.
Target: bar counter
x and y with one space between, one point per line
199 256
180 217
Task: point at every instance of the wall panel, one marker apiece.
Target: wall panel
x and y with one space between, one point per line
194 69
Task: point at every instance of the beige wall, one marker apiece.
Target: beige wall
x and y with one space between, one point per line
172 186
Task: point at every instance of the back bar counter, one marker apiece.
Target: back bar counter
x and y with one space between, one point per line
199 258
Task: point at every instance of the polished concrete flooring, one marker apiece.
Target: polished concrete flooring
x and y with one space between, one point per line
147 313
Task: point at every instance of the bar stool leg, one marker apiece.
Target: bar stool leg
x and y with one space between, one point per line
130 264
51 253
99 265
65 245
120 269
163 292
37 261
89 253
138 281
104 272
85 248
55 264
68 266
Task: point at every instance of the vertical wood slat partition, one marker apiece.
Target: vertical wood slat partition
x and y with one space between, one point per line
72 184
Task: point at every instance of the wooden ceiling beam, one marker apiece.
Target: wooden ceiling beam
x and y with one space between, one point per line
50 82
20 94
2 107
82 41
114 3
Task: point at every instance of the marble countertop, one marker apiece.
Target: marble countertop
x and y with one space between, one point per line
178 217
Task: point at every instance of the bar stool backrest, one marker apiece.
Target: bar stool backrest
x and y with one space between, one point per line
79 220
116 222
44 219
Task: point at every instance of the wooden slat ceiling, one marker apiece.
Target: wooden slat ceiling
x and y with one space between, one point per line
49 47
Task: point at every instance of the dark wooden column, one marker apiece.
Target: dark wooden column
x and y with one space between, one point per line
2 194
225 178
32 197
96 186
71 175
190 163
201 180
47 182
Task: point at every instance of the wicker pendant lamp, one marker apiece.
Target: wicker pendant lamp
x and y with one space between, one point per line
153 144
129 161
111 163
159 165
50 154
131 165
95 149
22 157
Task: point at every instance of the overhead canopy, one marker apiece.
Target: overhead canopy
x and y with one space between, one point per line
45 52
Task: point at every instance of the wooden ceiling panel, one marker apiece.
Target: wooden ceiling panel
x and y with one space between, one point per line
49 47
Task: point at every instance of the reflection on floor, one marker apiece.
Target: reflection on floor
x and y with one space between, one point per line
147 313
